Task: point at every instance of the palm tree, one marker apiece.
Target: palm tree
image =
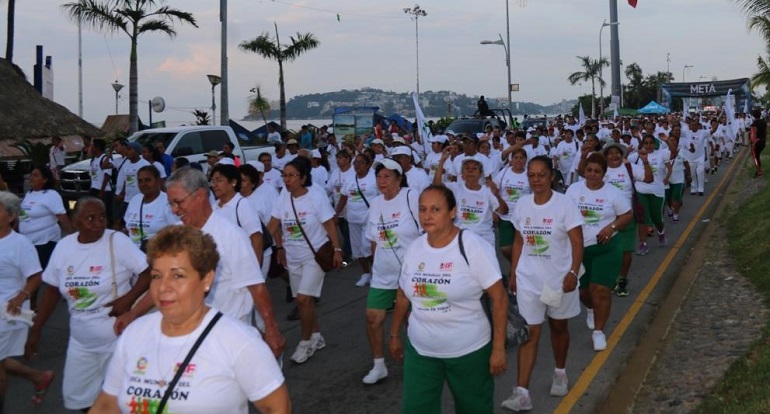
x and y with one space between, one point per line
258 103
271 49
134 18
10 32
591 70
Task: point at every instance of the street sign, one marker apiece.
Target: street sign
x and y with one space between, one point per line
514 87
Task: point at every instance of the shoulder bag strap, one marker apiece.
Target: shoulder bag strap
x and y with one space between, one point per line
462 246
631 176
409 207
296 217
237 217
112 268
392 248
181 369
361 192
141 214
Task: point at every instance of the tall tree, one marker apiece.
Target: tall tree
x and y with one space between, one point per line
134 18
258 103
591 70
272 49
10 32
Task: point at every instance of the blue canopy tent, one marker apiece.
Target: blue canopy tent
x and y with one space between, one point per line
262 131
244 135
654 108
401 122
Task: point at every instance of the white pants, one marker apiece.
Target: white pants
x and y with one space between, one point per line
698 176
83 375
359 244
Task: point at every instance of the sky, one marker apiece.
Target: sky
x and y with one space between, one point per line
372 44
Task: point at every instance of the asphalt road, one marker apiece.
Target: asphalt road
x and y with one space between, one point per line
330 382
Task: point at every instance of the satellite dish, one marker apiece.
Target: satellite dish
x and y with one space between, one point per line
158 104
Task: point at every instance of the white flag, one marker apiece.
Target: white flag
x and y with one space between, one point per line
615 113
581 115
746 106
730 113
422 124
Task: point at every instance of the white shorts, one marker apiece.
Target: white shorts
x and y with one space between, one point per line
359 244
12 342
534 311
306 278
83 376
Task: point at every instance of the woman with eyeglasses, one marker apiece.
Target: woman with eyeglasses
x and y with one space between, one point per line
92 269
302 222
390 228
149 211
357 195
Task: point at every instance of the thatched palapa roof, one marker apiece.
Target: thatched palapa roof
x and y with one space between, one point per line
25 114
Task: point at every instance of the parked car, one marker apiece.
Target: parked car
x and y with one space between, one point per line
191 142
472 126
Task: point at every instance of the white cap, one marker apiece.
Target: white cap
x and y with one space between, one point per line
315 154
398 139
480 135
389 164
258 165
378 141
226 161
400 151
443 139
450 132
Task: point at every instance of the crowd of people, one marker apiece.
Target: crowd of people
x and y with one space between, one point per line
567 204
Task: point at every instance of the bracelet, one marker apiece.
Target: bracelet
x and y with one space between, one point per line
25 292
573 272
337 249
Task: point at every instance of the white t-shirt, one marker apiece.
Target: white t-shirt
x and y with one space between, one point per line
127 178
357 210
566 153
56 156
240 212
161 169
232 367
456 168
273 137
447 320
262 199
431 164
82 273
657 160
18 261
599 208
237 268
533 152
97 173
512 186
475 209
392 224
417 179
319 175
313 210
620 179
273 178
154 216
281 162
337 180
37 217
546 256
677 172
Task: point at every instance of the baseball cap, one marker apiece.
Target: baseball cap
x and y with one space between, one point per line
442 139
378 141
292 142
450 132
398 139
257 165
226 161
315 154
213 153
135 146
400 151
390 164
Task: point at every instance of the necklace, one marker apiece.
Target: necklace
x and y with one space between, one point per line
162 383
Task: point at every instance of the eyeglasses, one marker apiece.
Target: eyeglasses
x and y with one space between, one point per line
287 175
177 204
95 217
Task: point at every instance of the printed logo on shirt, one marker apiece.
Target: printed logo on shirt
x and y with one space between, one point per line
141 366
536 237
70 270
591 210
470 214
429 294
24 214
141 404
95 269
512 194
82 297
130 179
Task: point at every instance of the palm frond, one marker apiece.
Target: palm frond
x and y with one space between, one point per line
262 45
157 26
99 16
299 45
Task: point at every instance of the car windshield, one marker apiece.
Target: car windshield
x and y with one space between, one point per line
466 126
153 137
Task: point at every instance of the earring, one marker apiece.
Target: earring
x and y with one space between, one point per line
207 288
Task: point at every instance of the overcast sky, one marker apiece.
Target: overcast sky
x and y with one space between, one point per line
373 44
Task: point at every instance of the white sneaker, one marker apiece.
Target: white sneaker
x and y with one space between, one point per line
519 401
590 319
317 342
303 352
600 341
375 375
559 384
364 280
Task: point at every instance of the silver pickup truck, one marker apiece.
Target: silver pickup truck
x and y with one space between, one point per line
191 142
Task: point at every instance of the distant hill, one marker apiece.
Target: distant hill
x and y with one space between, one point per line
434 104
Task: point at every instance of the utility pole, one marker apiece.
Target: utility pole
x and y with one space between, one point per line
615 51
225 117
416 12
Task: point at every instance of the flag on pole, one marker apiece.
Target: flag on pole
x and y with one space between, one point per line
730 113
615 112
422 124
581 115
632 3
746 106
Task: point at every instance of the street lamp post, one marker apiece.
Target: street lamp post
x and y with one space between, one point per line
686 66
507 48
416 12
601 67
214 80
117 88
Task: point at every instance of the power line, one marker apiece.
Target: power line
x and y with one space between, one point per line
114 69
337 13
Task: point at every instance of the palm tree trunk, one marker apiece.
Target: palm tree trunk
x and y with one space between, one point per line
133 92
283 95
11 23
593 99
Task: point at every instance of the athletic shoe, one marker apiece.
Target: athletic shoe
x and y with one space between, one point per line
318 342
375 375
621 288
364 280
559 387
662 239
643 249
590 319
600 341
519 401
303 352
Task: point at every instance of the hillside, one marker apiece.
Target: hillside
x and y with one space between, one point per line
433 103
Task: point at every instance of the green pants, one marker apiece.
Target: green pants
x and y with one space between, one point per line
653 209
468 377
602 263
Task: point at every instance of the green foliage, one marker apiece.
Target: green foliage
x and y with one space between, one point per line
443 122
36 152
201 117
641 89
